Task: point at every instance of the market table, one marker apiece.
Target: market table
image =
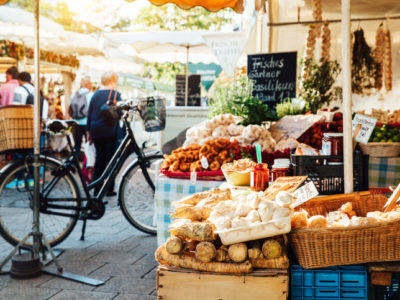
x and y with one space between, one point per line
171 189
383 171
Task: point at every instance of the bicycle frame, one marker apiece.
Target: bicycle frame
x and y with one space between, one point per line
127 147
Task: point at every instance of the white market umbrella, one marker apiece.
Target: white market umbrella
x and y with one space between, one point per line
165 46
17 25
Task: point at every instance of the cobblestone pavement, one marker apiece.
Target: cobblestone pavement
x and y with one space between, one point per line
113 251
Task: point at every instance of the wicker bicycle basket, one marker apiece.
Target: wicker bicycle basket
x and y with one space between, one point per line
323 247
16 127
381 149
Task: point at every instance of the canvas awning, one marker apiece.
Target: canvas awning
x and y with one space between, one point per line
211 5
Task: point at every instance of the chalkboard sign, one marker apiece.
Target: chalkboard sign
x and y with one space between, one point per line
274 76
194 90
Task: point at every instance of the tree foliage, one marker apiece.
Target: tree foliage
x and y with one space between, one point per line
171 17
163 72
59 13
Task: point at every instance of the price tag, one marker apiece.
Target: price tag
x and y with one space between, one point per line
367 126
305 193
204 162
193 177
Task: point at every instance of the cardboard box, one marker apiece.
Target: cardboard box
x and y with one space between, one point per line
182 284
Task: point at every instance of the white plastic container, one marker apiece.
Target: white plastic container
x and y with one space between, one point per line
259 230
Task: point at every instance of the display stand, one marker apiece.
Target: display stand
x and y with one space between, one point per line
29 265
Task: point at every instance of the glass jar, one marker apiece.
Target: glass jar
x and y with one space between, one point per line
280 168
259 177
332 144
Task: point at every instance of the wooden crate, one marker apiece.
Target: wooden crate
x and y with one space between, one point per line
182 284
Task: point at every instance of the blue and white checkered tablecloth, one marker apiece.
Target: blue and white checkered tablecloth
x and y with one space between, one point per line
169 190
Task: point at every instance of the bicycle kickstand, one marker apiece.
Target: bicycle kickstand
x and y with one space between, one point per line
83 229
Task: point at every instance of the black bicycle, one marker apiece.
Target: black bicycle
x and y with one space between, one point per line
61 203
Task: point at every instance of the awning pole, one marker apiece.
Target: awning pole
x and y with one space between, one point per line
187 75
36 134
347 103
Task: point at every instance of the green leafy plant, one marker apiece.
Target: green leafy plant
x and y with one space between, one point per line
317 86
236 97
288 108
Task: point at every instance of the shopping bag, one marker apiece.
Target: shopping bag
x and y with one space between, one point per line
90 153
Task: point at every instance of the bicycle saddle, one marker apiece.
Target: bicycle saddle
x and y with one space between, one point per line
57 126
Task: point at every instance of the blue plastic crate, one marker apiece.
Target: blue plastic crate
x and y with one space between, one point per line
344 282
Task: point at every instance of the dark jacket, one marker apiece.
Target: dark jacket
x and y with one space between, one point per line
96 124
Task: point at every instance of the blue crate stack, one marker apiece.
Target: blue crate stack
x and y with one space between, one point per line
334 283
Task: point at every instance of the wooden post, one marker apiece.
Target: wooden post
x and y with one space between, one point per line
347 103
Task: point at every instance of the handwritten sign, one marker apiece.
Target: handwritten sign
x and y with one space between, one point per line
194 90
293 126
367 126
305 193
274 76
380 115
293 183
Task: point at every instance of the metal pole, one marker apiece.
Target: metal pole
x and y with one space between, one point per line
36 133
347 103
187 75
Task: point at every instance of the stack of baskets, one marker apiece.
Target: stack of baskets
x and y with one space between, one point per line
324 247
16 127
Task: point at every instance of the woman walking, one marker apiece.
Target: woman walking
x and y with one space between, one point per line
101 130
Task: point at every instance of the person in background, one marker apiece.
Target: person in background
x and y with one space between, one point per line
7 89
78 110
103 135
25 93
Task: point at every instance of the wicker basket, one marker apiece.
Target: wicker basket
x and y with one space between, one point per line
16 127
317 248
381 149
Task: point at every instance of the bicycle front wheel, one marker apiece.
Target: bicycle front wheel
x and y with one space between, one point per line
136 194
16 201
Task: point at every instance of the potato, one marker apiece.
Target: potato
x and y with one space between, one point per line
238 252
222 254
255 253
205 252
174 245
272 249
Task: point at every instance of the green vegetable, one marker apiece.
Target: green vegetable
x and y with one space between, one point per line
287 108
237 98
317 89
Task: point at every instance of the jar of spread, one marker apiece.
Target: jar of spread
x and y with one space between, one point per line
280 168
259 177
332 143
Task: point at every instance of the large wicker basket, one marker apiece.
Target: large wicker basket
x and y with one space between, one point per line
381 149
16 127
317 248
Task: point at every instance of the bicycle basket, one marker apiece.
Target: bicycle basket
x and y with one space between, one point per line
16 127
153 113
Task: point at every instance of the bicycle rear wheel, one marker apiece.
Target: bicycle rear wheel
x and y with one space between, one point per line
16 199
136 194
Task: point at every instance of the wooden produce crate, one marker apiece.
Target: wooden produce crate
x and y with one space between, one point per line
182 284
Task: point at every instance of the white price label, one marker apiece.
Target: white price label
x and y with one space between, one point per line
305 193
367 126
204 162
193 177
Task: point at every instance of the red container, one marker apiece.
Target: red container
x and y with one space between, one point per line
259 177
332 144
